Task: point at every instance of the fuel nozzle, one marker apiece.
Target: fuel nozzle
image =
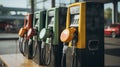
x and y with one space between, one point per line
31 32
45 33
67 34
22 31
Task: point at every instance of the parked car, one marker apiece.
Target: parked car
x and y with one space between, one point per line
112 30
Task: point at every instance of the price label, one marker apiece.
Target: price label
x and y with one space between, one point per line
75 10
37 15
51 13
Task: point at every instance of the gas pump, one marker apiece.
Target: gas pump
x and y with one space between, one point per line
51 48
38 24
84 35
24 48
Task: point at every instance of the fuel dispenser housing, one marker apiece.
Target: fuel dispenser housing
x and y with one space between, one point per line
38 24
87 18
94 51
55 23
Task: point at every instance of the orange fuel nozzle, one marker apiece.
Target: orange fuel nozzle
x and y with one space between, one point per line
27 25
22 31
67 34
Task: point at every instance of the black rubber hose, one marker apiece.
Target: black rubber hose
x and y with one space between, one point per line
35 47
46 54
74 57
63 61
22 45
46 57
74 61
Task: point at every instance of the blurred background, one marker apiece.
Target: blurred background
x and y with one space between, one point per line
12 12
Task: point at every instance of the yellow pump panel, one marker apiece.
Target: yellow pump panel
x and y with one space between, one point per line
81 24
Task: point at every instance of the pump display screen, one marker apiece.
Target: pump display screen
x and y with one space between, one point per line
51 18
74 15
51 13
75 10
37 15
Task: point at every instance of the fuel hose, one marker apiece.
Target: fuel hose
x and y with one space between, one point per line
35 44
36 48
63 61
73 61
74 57
46 50
22 45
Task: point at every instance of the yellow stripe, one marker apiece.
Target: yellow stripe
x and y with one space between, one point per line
82 27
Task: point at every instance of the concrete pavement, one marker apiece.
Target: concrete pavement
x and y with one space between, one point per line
112 48
9 47
9 43
112 52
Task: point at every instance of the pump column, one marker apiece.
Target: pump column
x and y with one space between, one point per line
115 12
